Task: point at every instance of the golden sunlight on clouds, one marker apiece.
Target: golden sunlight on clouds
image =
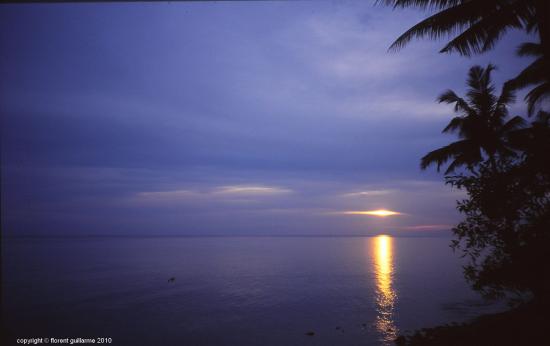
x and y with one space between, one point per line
378 212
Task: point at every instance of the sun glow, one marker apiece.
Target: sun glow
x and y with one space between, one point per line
378 212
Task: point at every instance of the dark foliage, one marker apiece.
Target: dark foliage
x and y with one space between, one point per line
505 234
506 230
525 325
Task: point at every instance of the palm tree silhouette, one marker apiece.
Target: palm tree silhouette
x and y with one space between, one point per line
481 124
478 24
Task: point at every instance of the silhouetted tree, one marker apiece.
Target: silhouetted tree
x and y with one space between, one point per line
476 25
481 124
506 230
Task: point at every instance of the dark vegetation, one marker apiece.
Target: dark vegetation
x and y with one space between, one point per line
505 328
501 161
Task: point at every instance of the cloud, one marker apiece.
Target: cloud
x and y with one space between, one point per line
402 105
231 193
368 193
174 195
251 190
277 115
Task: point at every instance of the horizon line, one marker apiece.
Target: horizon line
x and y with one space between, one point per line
427 234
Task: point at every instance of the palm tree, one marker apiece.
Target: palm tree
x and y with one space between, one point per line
481 124
479 23
476 25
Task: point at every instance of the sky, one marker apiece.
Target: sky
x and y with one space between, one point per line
225 118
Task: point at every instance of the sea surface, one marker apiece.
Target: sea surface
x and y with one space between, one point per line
232 290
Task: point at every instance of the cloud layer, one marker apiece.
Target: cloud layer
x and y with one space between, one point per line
222 118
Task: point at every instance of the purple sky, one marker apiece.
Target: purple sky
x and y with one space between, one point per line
224 118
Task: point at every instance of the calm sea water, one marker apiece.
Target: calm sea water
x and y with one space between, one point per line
232 290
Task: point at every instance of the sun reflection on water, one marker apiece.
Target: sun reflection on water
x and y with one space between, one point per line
382 249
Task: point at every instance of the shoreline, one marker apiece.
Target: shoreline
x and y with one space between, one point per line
523 325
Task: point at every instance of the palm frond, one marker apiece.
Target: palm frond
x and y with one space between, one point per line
456 163
455 124
478 24
422 4
507 96
451 97
529 49
536 96
479 78
480 94
444 23
483 35
532 74
465 151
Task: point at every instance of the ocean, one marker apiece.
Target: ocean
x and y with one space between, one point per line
231 290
